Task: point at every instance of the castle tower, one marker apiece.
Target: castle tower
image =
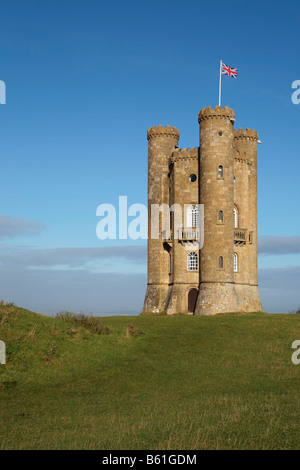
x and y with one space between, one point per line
184 279
220 274
217 290
162 141
245 196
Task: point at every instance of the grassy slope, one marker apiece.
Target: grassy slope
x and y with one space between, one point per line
184 383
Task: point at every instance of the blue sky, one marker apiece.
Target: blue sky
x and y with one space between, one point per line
85 80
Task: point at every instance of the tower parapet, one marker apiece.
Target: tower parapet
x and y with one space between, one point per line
216 113
185 154
248 134
161 131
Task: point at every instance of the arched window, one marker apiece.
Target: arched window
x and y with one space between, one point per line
193 216
221 217
235 262
192 261
236 217
221 172
221 262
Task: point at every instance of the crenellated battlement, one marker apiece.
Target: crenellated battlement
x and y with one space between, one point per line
216 113
161 131
248 134
184 154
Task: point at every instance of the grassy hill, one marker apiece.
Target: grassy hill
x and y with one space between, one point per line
223 382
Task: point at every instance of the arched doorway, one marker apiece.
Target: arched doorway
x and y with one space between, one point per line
192 299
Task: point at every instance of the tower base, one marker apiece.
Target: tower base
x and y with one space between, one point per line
179 299
216 298
156 298
248 298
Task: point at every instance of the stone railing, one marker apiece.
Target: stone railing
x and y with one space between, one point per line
240 235
189 234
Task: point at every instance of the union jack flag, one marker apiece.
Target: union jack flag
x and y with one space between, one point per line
231 72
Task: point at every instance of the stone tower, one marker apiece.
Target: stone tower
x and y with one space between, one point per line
216 194
245 197
221 176
162 141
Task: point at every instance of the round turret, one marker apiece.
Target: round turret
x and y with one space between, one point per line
217 293
162 141
245 142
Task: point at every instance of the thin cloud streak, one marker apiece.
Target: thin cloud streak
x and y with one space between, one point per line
11 228
74 257
278 245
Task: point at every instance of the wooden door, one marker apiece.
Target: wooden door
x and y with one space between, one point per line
192 299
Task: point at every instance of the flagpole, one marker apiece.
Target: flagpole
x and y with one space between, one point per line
220 83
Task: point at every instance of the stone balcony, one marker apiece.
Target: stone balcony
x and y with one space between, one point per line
192 234
189 234
240 236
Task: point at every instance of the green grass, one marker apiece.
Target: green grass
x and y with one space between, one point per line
223 382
